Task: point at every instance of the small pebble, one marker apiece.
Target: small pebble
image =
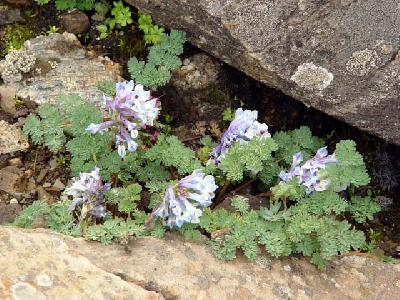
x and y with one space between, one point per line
53 164
287 268
17 162
28 173
59 185
13 201
44 280
42 174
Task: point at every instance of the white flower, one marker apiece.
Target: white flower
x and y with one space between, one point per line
183 202
146 111
87 191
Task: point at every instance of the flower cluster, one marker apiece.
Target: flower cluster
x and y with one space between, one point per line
88 192
183 202
307 173
131 108
242 129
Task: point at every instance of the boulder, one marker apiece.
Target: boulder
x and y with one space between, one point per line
40 262
49 268
75 21
61 66
341 57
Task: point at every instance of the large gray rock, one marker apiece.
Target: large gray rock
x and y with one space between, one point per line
341 57
40 262
49 66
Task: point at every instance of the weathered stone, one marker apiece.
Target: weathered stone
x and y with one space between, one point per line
7 99
12 180
63 67
62 267
45 266
58 185
44 195
341 57
16 162
10 16
75 21
8 212
11 139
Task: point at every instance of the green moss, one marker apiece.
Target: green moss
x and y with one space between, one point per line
15 37
216 96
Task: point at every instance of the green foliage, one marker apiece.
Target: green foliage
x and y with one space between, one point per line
228 115
101 9
70 4
29 214
298 140
153 34
170 152
309 227
247 158
240 203
121 16
42 2
190 232
350 169
107 87
60 219
14 37
56 217
363 208
125 198
113 229
48 130
103 31
161 61
53 29
66 122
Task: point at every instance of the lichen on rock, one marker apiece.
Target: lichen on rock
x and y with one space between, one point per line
17 63
363 62
312 77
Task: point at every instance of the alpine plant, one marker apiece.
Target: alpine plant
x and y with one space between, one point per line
184 201
243 128
88 193
307 174
131 109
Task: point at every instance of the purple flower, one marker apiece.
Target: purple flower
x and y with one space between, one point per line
307 173
88 192
242 129
131 108
183 201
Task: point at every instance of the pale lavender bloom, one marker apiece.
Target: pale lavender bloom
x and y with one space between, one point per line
242 129
183 202
99 128
307 173
88 192
131 107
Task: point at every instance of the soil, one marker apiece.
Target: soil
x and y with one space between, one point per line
276 109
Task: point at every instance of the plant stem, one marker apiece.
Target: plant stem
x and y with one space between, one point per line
221 194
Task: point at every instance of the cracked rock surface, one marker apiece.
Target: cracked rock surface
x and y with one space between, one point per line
341 57
39 264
